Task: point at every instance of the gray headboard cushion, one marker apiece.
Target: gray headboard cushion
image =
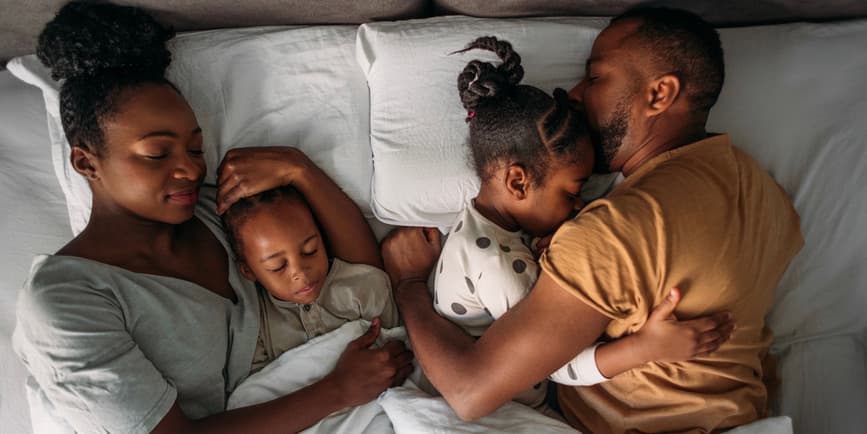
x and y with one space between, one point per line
721 13
22 20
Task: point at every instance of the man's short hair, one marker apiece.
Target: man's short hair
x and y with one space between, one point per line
682 43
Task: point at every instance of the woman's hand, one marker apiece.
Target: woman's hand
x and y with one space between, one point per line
248 171
362 373
410 254
665 339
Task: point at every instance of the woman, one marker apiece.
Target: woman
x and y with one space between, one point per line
141 323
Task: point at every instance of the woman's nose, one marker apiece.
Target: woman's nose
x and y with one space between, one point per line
190 167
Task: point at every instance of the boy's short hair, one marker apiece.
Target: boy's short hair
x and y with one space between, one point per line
241 210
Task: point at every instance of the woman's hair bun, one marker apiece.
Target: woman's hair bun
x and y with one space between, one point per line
85 39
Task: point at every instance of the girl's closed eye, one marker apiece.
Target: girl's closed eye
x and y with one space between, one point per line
309 253
279 269
156 156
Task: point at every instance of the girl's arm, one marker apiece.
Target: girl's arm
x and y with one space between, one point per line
664 339
248 171
360 376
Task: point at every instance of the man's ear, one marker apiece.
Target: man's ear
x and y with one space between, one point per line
85 162
662 93
517 181
246 271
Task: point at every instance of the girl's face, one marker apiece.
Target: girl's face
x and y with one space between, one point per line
284 251
557 199
152 164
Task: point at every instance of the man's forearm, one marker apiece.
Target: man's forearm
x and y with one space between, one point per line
444 350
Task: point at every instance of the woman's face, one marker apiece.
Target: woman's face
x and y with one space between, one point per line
284 251
558 198
152 165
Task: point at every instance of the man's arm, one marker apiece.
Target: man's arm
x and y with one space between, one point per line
536 337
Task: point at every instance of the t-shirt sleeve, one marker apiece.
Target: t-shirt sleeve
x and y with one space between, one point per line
372 287
608 262
504 280
84 364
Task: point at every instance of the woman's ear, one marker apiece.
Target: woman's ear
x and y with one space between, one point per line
85 163
663 92
246 271
517 181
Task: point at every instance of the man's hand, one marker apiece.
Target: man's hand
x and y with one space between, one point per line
409 254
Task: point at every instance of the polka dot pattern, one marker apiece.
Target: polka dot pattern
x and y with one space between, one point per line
519 266
470 285
571 372
483 242
458 308
506 249
459 226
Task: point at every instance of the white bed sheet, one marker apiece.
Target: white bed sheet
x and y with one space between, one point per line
33 220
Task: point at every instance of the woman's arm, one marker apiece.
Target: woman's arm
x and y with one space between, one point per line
248 171
360 376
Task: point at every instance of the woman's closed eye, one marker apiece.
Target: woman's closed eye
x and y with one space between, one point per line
310 252
156 156
197 152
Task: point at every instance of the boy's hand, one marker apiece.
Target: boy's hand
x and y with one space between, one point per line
665 339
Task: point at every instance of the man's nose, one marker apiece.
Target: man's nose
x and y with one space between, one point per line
576 95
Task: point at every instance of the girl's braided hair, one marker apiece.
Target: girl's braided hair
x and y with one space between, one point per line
514 123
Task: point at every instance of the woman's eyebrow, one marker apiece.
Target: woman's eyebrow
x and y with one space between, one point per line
168 133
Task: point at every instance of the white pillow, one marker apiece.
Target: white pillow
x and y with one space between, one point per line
297 86
417 128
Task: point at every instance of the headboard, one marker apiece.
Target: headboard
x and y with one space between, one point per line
21 21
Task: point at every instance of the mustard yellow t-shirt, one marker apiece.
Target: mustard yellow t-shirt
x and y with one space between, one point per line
705 218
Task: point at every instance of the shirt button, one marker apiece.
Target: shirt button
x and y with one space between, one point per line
306 308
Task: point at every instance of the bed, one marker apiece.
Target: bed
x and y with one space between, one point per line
333 80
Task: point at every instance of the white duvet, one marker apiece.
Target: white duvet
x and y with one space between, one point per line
406 409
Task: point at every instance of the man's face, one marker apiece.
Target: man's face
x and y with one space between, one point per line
608 92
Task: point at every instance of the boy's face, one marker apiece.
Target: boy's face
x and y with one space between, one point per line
559 197
284 251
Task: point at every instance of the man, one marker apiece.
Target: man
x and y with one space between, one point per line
693 212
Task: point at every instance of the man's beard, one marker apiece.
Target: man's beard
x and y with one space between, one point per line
608 139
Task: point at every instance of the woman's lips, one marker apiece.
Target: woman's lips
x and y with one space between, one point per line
186 197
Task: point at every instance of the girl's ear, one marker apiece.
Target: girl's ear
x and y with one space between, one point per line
246 271
85 162
517 181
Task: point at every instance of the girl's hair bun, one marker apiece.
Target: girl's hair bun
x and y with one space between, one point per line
85 39
480 81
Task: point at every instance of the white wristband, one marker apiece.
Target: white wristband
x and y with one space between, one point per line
581 371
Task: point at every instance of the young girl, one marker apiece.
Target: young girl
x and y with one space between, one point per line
141 323
532 154
303 291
